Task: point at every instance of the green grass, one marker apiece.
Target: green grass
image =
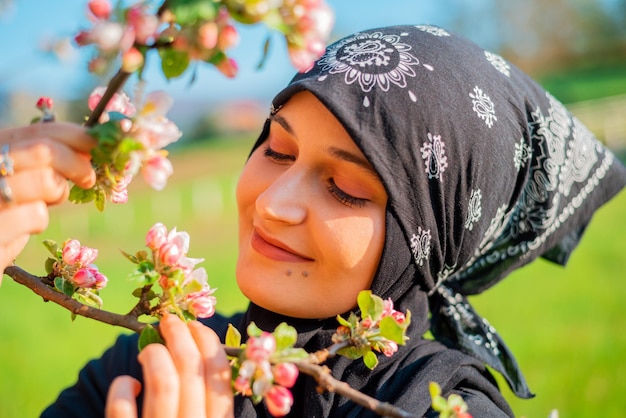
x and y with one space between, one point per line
566 326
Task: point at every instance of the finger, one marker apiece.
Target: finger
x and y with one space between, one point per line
32 154
121 399
161 384
20 220
75 136
10 251
188 363
43 184
217 374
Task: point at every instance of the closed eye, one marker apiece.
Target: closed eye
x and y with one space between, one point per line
277 156
345 198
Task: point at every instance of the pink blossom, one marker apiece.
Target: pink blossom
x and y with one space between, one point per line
228 37
201 304
107 35
119 192
207 35
155 132
83 38
84 278
144 24
156 171
242 385
101 9
260 348
157 103
279 401
132 60
45 103
120 102
301 59
389 348
173 250
156 236
228 67
70 251
86 256
285 374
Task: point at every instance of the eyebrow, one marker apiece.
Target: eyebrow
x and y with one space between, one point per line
334 151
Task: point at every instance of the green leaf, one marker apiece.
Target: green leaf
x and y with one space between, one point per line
173 63
285 336
190 12
353 352
100 199
78 195
132 258
233 337
290 355
64 286
343 321
371 306
51 246
440 404
253 330
434 389
391 330
266 48
50 262
149 335
370 360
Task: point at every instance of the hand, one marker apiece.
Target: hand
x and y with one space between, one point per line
188 377
44 156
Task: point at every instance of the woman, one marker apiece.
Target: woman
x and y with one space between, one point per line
407 161
35 163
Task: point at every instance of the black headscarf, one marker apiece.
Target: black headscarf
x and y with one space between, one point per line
485 171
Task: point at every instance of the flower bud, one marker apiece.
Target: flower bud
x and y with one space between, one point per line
260 348
132 60
242 386
228 37
389 348
279 401
84 277
101 9
156 171
70 251
207 35
86 256
172 251
285 374
228 67
156 236
45 103
201 304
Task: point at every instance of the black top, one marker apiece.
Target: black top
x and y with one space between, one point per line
403 382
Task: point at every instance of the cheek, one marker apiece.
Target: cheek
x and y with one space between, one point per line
356 241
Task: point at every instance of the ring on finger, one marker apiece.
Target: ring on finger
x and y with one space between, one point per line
6 194
6 162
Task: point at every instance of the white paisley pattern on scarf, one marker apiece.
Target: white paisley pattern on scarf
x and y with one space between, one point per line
498 63
433 30
523 152
371 60
420 245
483 106
553 173
474 209
434 155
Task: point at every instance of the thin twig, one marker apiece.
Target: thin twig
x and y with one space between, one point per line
36 284
114 85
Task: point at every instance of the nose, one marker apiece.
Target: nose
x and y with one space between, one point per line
284 200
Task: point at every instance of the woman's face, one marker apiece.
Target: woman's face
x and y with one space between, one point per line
311 215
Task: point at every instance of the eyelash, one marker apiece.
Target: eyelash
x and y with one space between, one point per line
343 197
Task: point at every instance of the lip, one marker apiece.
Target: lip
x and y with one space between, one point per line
274 249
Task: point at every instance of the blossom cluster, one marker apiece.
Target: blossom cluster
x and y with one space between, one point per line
131 137
306 24
257 377
381 328
74 272
197 30
186 291
265 369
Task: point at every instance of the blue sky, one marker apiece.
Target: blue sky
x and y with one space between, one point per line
27 23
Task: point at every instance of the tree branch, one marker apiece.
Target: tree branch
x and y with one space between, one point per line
114 85
36 284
